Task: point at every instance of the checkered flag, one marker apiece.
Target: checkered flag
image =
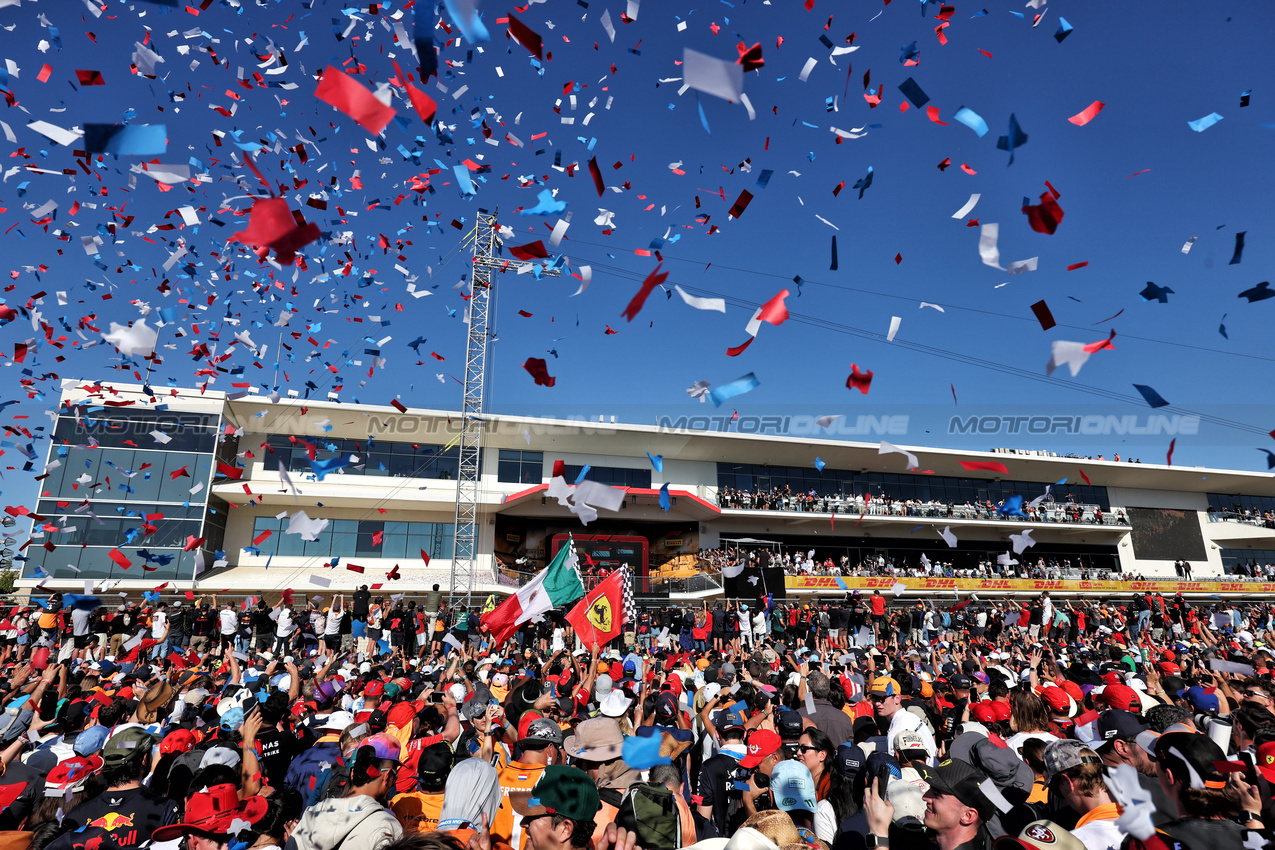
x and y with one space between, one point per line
630 609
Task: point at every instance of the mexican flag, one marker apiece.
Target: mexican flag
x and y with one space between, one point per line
553 587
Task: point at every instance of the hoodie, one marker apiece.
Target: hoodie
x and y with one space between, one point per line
349 823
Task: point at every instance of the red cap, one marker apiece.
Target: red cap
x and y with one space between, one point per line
1266 760
177 741
1169 668
1113 678
983 712
374 688
1056 698
1122 697
761 743
1073 690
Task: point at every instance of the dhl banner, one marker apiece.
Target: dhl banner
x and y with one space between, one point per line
976 585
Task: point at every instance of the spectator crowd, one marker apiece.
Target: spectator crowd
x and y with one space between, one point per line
865 722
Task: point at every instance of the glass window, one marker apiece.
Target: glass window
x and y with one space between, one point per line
394 544
517 467
370 539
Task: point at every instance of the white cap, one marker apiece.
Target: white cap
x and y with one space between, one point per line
337 720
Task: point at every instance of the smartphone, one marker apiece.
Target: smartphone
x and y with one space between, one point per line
436 697
1250 769
883 781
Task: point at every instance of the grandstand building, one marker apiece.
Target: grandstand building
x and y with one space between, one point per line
244 493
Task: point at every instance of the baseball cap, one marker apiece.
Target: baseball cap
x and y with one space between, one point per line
543 730
90 741
1266 760
126 745
434 764
793 787
1065 754
177 741
962 781
1198 753
961 682
338 721
1058 700
989 711
1201 699
789 725
906 742
1122 697
761 744
1040 835
850 760
724 721
1114 723
561 790
885 686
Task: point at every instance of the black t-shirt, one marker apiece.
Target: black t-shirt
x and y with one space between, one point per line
125 818
119 624
276 751
176 621
202 623
719 620
361 599
716 789
262 623
245 623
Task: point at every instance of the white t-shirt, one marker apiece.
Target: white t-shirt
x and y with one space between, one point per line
1018 739
159 625
283 622
826 822
334 623
229 621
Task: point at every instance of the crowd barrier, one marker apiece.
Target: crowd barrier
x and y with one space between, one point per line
824 585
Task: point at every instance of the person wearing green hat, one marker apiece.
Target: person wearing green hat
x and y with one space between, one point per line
127 812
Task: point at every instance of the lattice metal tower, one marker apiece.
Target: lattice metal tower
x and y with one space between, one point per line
486 243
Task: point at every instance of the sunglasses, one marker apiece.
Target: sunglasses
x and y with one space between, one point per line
806 748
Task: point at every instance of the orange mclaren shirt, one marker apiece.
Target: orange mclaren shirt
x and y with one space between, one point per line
514 776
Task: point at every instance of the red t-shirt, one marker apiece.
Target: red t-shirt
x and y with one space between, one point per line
878 606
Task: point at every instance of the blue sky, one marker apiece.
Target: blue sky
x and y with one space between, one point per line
1135 184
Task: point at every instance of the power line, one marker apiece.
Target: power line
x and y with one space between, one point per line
912 300
955 356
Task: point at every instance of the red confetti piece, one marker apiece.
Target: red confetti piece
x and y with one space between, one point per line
1087 114
861 381
985 465
539 370
524 35
43 76
341 91
967 169
1074 266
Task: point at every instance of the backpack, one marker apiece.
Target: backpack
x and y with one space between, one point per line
946 619
651 811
